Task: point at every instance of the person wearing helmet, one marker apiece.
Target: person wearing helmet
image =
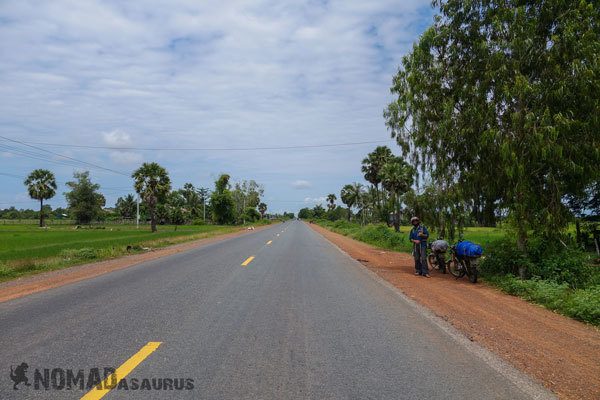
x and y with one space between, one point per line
418 236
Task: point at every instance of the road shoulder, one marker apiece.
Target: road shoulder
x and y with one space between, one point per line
555 350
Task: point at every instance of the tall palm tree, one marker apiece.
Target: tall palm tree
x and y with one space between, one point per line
351 196
41 185
126 206
371 168
152 183
331 198
397 177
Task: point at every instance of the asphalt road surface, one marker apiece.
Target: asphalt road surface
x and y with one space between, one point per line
299 320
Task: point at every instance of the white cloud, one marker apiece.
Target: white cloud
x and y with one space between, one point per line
117 138
301 184
205 74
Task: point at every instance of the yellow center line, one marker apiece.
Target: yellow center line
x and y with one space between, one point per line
269 242
248 261
112 380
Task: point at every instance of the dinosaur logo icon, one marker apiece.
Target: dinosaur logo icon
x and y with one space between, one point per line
18 375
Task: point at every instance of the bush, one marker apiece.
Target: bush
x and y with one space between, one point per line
543 260
580 304
585 305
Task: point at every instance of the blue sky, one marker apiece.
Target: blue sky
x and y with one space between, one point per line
200 74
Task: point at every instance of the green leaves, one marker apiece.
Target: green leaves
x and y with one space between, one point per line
152 183
41 184
503 99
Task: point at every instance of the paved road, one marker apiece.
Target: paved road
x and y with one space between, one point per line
301 320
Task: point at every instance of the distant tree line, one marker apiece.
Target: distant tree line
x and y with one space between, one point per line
159 203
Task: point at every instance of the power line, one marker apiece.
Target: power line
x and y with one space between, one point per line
64 183
308 146
63 156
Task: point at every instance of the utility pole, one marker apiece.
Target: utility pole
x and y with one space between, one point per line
137 216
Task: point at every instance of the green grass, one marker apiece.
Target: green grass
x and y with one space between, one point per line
382 236
582 304
27 249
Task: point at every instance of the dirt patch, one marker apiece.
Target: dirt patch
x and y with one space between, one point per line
43 281
562 353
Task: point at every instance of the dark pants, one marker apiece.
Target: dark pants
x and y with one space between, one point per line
420 255
441 260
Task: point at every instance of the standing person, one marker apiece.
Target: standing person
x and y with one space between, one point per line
418 236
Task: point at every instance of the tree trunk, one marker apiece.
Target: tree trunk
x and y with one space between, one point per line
578 234
152 219
397 214
521 246
41 213
489 216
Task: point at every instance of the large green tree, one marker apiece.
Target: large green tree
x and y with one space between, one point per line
221 202
85 202
502 98
152 183
41 185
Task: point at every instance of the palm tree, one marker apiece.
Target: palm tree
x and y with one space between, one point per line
152 183
351 196
262 208
371 168
41 186
331 198
126 206
397 177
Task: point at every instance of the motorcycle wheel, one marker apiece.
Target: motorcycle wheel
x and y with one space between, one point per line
432 262
455 268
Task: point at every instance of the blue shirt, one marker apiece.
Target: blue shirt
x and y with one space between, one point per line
414 234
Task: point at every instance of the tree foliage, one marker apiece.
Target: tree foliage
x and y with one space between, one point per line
85 202
126 207
152 183
501 99
397 177
41 185
221 202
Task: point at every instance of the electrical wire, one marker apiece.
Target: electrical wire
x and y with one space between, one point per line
63 156
308 146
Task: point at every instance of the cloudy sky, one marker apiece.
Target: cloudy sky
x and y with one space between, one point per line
208 77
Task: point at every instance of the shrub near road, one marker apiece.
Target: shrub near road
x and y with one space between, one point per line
26 249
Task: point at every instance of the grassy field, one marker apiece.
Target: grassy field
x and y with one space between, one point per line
26 249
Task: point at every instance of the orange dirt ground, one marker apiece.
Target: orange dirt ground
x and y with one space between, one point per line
562 353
